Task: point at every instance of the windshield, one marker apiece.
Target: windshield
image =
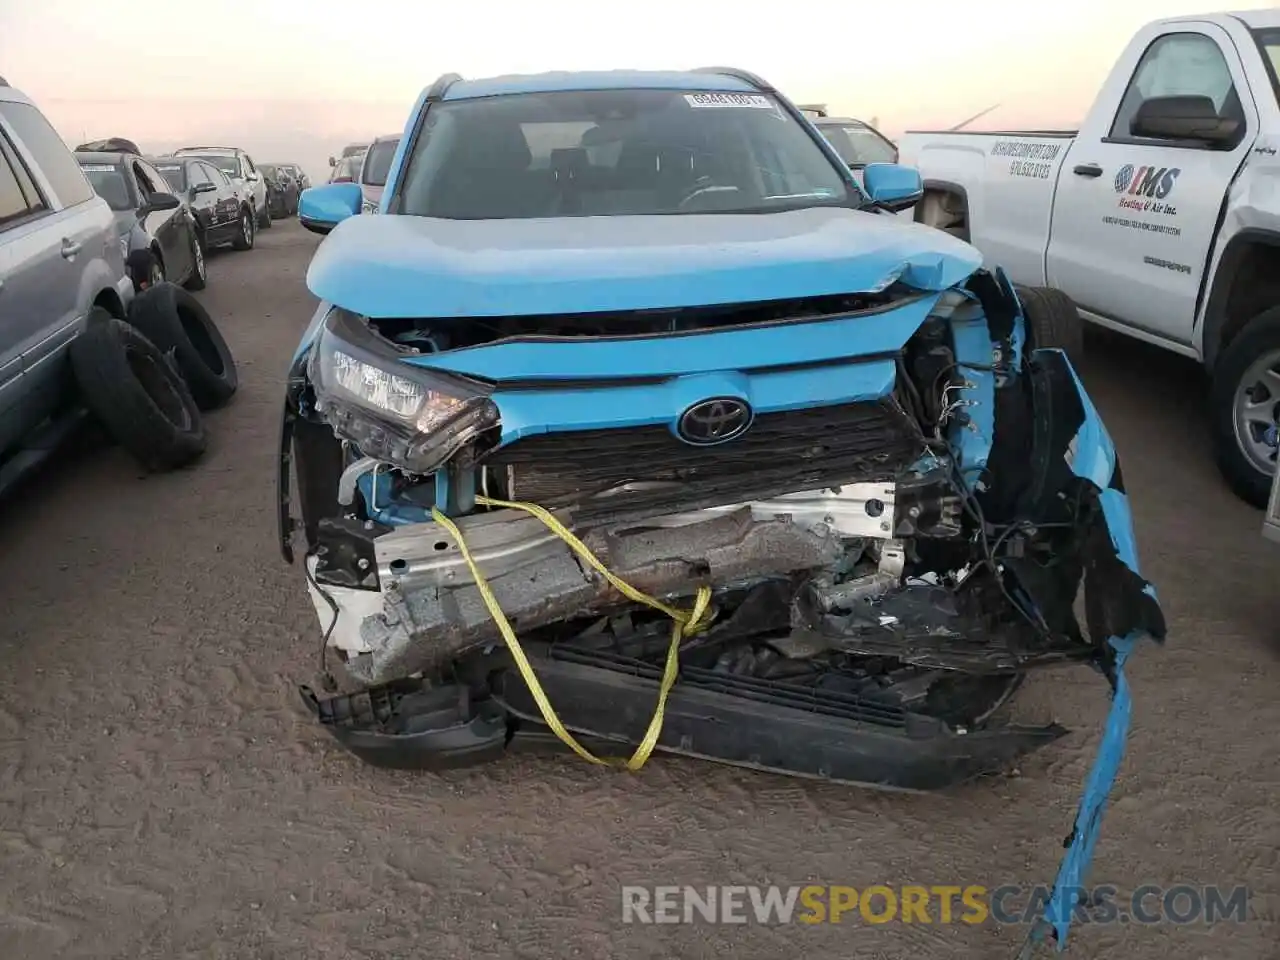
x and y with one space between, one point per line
377 163
175 174
615 152
1269 44
230 165
858 144
110 184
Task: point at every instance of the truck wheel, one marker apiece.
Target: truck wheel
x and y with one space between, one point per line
1052 321
1245 405
137 393
174 320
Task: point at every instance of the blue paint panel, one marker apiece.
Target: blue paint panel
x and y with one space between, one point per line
973 439
400 266
530 412
1095 459
596 80
735 349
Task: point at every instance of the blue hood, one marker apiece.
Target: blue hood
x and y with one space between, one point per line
398 266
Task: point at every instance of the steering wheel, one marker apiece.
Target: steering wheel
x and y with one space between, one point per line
703 186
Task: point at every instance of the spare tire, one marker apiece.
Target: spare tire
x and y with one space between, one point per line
137 393
1052 321
174 320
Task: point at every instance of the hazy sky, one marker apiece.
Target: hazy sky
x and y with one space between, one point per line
302 77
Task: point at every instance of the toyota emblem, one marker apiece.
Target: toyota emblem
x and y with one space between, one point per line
714 421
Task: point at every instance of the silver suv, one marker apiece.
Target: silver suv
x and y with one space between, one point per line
59 257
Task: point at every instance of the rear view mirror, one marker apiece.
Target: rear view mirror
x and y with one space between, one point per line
892 186
320 209
161 201
1182 118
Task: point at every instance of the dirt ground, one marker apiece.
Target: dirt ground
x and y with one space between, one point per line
161 794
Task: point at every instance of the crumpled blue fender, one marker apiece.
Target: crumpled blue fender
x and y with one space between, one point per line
1093 458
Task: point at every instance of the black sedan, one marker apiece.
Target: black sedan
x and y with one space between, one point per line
158 233
222 214
282 189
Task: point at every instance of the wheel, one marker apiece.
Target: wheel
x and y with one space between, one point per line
1052 321
264 217
1245 407
137 393
146 269
248 230
199 270
174 320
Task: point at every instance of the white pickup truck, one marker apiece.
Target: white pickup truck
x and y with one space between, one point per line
1159 217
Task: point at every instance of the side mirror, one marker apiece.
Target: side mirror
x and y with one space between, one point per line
1182 118
320 209
203 188
254 177
161 201
892 186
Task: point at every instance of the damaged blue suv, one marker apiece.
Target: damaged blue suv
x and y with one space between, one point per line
636 423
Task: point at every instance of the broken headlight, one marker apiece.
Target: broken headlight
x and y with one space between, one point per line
412 418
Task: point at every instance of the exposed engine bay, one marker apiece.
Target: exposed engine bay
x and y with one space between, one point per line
892 565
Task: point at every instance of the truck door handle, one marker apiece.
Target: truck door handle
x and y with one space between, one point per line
69 248
1087 170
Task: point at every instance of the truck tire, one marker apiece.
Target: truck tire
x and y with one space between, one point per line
137 393
177 322
1052 321
1244 400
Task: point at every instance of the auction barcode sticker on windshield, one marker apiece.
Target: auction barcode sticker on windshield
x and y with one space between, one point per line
729 100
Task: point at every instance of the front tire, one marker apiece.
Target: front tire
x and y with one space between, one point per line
1052 321
1244 406
248 231
199 269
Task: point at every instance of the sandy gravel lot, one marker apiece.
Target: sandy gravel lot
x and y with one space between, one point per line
162 796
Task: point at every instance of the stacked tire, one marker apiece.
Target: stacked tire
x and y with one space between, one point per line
149 379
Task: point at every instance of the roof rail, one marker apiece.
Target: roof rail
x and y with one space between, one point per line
746 76
439 88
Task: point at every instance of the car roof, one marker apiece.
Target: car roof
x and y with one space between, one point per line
563 81
211 151
94 156
1254 19
832 121
385 137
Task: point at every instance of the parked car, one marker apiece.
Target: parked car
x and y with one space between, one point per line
298 174
556 385
240 170
158 232
346 170
857 142
350 150
374 169
61 265
1159 217
222 214
282 190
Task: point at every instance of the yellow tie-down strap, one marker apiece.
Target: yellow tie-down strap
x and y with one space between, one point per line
685 624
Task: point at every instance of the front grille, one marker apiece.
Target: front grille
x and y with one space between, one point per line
612 475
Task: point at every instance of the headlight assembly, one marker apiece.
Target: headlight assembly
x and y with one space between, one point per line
412 418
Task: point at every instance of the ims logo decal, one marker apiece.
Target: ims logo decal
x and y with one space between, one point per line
1150 182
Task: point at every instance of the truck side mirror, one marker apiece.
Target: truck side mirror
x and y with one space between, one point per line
1183 118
